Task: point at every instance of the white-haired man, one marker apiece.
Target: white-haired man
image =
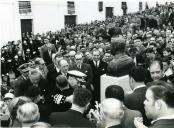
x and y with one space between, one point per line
113 113
28 114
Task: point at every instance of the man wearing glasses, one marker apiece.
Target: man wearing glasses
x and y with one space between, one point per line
82 67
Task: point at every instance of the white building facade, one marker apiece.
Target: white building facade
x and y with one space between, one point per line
50 15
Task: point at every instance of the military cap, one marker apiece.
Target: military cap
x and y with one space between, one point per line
39 61
2 59
23 67
9 96
77 74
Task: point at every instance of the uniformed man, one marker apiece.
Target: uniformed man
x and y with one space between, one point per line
76 79
16 63
24 70
27 55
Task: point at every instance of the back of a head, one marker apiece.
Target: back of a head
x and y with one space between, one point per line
138 74
81 96
28 113
112 109
114 91
118 45
115 31
61 81
41 125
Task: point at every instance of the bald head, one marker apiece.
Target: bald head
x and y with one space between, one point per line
112 109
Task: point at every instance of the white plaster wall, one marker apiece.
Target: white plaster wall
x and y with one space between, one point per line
9 22
49 14
45 16
87 11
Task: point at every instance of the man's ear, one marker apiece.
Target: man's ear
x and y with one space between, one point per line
87 106
158 104
131 81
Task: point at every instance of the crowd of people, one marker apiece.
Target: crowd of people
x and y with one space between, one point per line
53 79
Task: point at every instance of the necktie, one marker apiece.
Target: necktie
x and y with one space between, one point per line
96 64
49 52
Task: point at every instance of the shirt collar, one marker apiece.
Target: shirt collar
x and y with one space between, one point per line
25 78
57 69
98 62
164 117
140 86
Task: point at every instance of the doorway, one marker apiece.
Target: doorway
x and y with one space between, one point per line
26 26
109 12
70 19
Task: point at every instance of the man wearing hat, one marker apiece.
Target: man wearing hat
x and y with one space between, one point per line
8 97
76 79
27 55
16 63
4 69
24 70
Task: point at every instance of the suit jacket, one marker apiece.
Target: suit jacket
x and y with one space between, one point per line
98 71
45 55
134 103
63 106
120 66
51 67
51 76
128 119
16 85
86 69
42 84
70 118
163 123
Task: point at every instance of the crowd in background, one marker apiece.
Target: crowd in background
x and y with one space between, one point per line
52 72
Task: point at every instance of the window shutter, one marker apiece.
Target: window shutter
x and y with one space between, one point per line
24 7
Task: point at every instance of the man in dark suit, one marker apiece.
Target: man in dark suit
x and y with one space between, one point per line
82 67
74 116
61 68
21 79
35 79
98 68
55 58
59 95
47 50
135 99
159 105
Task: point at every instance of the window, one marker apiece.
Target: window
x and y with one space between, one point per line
24 7
71 8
